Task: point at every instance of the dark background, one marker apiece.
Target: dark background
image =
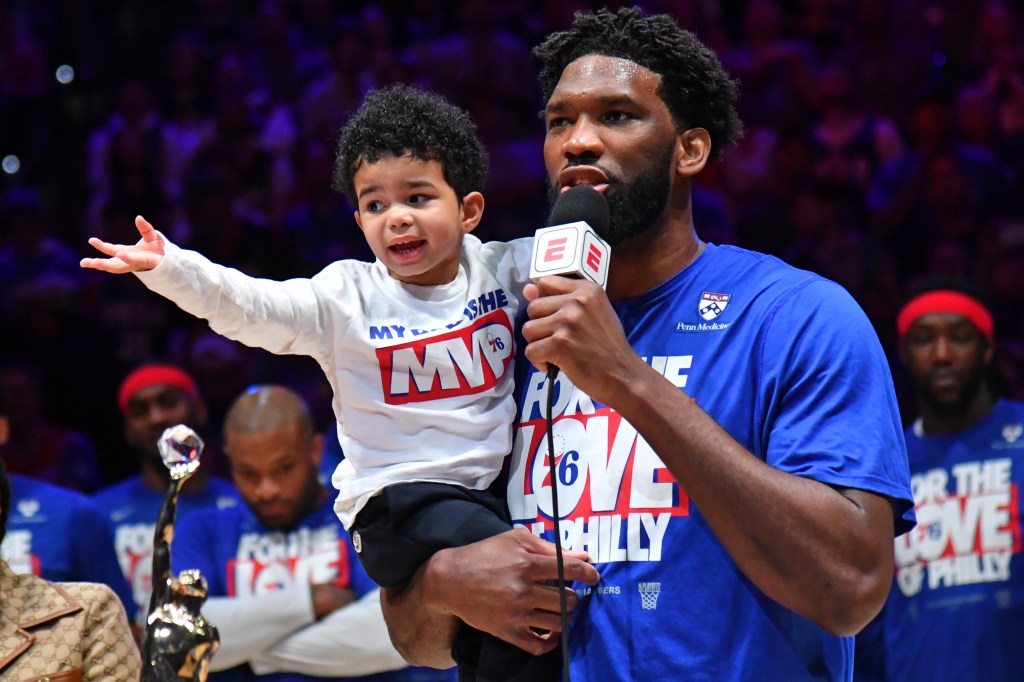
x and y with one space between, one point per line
884 143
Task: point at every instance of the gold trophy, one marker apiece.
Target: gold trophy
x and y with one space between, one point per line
178 642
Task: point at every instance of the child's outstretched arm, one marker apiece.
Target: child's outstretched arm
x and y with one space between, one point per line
145 255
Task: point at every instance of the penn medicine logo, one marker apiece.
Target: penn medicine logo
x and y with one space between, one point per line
712 305
1012 432
28 507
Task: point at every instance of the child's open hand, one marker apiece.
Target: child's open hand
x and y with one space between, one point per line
145 255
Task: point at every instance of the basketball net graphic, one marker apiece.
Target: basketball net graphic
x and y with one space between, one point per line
649 595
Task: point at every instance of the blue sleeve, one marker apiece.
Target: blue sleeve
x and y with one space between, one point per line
195 546
92 549
830 402
869 652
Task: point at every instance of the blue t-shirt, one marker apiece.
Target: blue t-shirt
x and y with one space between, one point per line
240 558
956 609
133 508
60 535
789 365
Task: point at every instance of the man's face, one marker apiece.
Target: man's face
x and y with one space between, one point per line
153 409
946 356
276 473
608 128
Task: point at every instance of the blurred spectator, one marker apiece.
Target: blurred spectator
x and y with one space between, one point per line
283 552
29 250
943 621
327 102
37 446
123 152
773 68
152 398
73 631
59 534
220 112
479 53
848 145
318 226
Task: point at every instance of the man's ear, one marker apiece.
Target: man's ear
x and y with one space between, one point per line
316 449
693 149
472 211
5 430
200 411
355 214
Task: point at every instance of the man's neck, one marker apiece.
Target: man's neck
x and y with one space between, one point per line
945 421
657 254
650 258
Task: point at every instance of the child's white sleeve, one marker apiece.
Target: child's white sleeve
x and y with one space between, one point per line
280 317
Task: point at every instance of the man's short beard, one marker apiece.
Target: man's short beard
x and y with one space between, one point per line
976 383
633 208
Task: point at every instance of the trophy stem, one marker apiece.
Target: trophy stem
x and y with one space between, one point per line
178 642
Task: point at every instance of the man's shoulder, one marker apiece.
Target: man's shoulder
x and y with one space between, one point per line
217 496
216 492
765 267
1010 408
119 491
218 485
23 486
35 499
768 281
473 248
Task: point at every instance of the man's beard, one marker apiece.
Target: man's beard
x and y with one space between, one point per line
959 405
632 207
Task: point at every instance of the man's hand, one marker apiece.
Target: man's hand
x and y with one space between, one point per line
145 255
573 325
328 598
498 585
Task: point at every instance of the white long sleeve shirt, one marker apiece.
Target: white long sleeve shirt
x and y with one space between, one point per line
354 639
422 376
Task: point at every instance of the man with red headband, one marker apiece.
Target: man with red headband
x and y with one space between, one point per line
956 609
151 398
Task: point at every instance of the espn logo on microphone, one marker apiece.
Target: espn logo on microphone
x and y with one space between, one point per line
570 250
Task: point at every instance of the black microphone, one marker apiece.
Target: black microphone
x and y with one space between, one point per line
573 245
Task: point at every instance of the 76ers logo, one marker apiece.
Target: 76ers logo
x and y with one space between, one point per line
712 305
468 360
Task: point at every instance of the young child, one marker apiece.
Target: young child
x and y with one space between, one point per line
417 346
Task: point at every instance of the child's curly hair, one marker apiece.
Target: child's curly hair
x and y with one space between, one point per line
402 120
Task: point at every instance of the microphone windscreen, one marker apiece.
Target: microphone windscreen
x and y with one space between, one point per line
581 203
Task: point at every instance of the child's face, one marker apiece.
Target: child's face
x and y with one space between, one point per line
412 219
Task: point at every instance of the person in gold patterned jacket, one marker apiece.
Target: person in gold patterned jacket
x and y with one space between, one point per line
63 632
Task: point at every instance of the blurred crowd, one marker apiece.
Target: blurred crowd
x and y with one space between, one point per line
884 143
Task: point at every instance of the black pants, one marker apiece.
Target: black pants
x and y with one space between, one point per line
403 526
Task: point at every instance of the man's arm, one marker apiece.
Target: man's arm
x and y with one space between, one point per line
248 627
498 585
824 553
353 639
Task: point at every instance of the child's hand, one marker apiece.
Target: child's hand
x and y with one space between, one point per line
145 255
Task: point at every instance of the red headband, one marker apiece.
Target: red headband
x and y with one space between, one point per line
945 301
153 375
